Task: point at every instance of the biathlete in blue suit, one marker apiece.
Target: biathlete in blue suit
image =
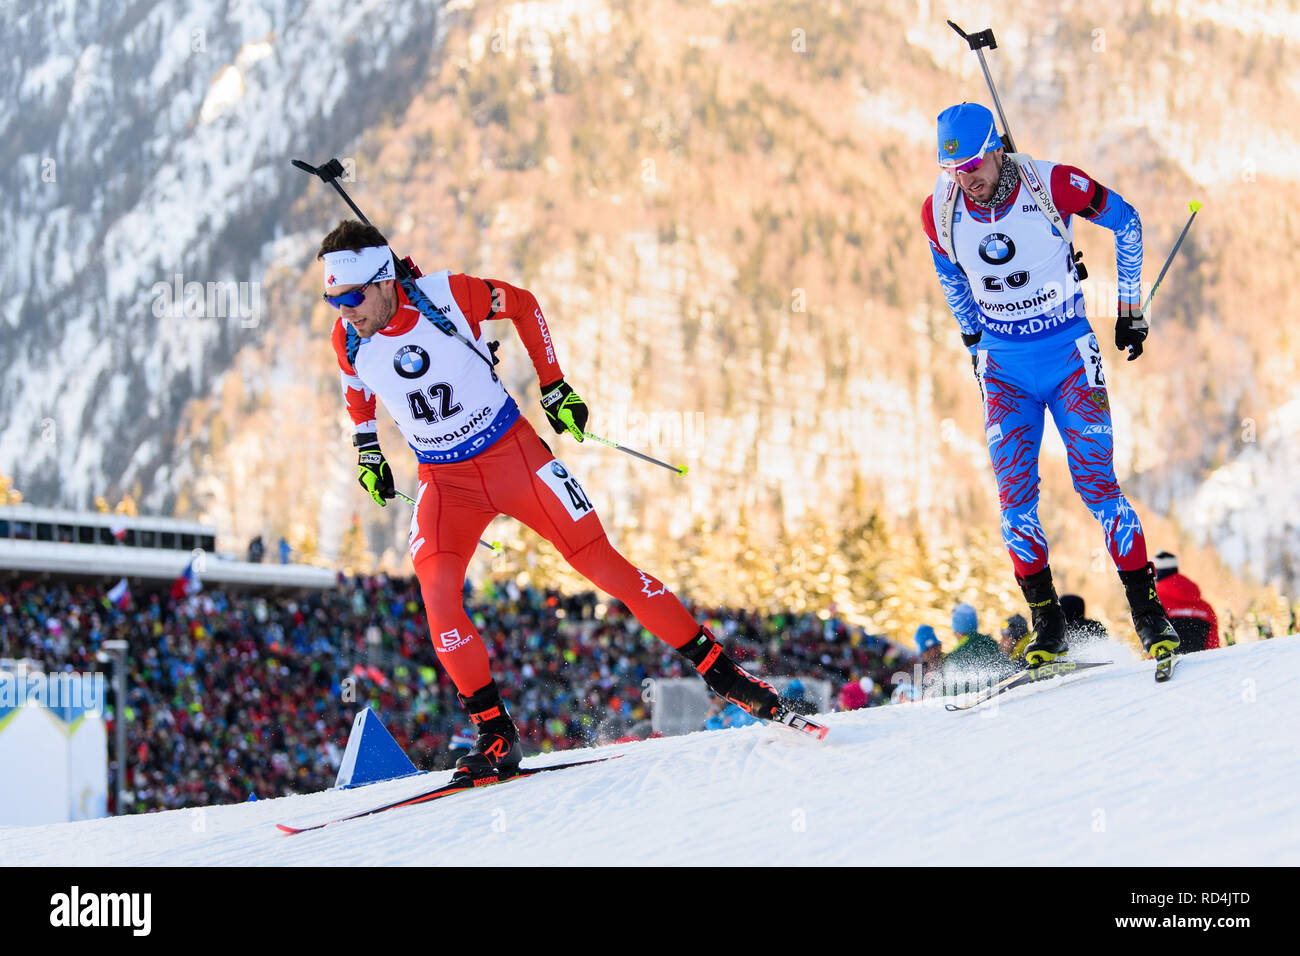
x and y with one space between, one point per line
1000 235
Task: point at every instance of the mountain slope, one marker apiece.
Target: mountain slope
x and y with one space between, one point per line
1110 771
144 152
717 206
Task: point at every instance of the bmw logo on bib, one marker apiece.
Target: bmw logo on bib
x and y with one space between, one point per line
996 249
411 361
558 470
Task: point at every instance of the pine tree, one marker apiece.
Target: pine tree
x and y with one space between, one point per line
9 495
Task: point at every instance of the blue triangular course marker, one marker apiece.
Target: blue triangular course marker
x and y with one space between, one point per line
372 755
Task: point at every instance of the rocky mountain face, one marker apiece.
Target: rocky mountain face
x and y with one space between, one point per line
717 205
145 184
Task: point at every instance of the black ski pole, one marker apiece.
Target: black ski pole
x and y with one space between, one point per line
1195 207
680 469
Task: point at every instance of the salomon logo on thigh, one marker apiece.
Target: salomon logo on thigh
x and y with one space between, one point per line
450 641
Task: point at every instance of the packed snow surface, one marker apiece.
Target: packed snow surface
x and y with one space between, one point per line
1103 768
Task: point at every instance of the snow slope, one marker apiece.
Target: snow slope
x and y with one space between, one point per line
1104 769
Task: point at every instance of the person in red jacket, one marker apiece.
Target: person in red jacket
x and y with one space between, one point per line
419 348
1192 617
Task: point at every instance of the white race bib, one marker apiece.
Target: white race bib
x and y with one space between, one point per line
1090 354
565 487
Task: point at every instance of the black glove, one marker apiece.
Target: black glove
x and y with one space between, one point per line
970 341
372 468
1131 329
564 409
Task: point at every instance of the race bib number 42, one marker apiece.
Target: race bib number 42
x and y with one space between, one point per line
566 488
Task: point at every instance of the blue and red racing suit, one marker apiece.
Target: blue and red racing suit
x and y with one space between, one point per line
1013 283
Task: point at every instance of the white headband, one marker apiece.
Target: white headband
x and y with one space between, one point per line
349 267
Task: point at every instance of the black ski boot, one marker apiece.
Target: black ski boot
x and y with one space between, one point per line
728 679
1047 642
1158 637
496 753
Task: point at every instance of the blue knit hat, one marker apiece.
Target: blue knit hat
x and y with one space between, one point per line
925 638
964 619
966 130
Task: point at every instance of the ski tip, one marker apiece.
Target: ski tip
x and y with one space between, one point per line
798 722
287 831
1194 206
815 731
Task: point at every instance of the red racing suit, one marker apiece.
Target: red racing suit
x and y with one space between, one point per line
479 458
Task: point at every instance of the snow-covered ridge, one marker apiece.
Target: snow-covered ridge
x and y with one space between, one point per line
1108 769
144 142
1250 508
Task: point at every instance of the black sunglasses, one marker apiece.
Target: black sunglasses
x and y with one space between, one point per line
356 296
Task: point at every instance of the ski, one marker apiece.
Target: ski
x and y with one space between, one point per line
1031 675
1165 666
800 723
447 789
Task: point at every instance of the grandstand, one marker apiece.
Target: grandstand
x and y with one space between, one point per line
57 567
58 542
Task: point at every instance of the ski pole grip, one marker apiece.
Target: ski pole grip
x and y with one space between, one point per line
328 172
977 41
331 170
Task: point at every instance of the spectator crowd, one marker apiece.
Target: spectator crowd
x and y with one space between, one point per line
238 695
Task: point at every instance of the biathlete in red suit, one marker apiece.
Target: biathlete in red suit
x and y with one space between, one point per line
418 346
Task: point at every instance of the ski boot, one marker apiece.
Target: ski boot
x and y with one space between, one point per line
496 753
1157 634
728 679
1047 620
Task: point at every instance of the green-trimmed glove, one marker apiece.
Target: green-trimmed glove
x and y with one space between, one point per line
372 468
564 409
